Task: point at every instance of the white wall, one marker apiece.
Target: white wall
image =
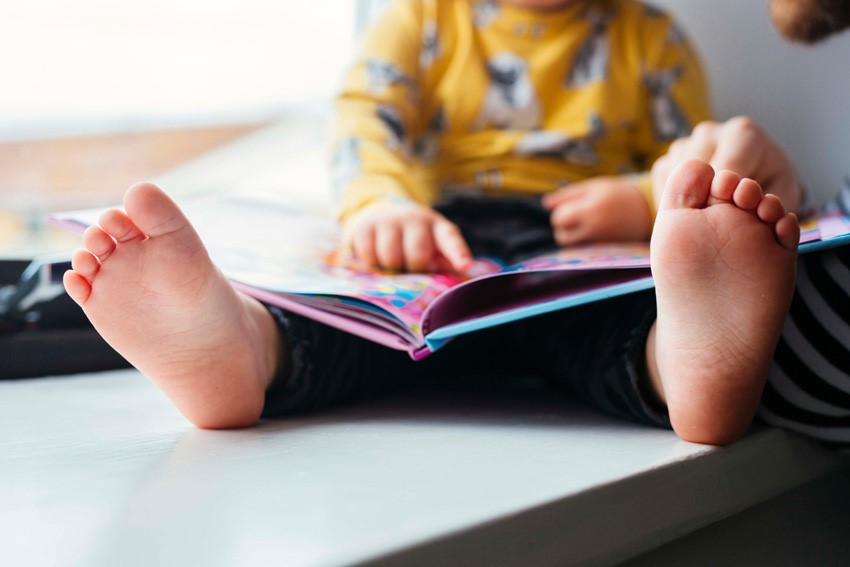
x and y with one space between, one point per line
801 95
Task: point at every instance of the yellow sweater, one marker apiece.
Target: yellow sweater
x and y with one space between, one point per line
454 95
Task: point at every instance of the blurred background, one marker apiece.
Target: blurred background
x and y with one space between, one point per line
99 94
207 95
798 94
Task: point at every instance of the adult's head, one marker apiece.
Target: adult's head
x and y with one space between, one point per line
810 21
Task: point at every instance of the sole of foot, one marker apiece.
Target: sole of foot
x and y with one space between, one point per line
147 284
723 257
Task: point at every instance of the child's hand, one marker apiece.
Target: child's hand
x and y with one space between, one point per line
407 237
599 209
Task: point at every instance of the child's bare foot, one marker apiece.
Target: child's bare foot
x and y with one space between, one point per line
724 260
148 286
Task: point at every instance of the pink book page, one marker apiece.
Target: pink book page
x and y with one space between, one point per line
405 296
588 257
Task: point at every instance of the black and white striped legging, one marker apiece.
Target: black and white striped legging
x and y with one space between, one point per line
808 388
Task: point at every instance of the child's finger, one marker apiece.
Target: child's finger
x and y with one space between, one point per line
556 198
451 244
566 216
363 245
701 144
568 224
572 235
739 148
388 246
440 265
418 247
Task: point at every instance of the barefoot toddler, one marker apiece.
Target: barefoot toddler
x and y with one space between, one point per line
507 101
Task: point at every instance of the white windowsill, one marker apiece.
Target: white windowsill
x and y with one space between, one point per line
100 470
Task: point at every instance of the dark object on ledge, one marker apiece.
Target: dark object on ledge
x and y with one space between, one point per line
42 331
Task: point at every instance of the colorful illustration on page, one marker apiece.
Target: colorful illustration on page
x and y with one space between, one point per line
591 256
405 295
824 227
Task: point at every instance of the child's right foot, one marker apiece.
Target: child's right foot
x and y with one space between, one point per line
148 286
723 259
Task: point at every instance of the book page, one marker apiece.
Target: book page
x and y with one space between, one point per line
278 248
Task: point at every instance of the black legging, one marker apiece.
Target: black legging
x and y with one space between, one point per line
595 353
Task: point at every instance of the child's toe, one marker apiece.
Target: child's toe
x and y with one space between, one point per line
85 263
688 186
724 184
117 224
78 288
788 231
98 242
770 209
748 195
152 211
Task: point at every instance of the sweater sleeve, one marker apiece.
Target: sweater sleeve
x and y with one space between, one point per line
674 88
672 92
377 118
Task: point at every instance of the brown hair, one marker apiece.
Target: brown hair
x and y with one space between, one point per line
810 21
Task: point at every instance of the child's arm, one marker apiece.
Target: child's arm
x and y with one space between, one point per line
673 89
382 111
674 97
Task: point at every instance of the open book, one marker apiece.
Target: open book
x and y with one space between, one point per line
286 257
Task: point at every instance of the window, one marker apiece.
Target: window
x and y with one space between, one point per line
100 93
95 65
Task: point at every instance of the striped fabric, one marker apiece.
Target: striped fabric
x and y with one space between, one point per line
808 388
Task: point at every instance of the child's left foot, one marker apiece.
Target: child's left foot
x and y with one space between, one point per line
723 259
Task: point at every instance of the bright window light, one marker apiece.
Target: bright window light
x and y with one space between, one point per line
110 65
